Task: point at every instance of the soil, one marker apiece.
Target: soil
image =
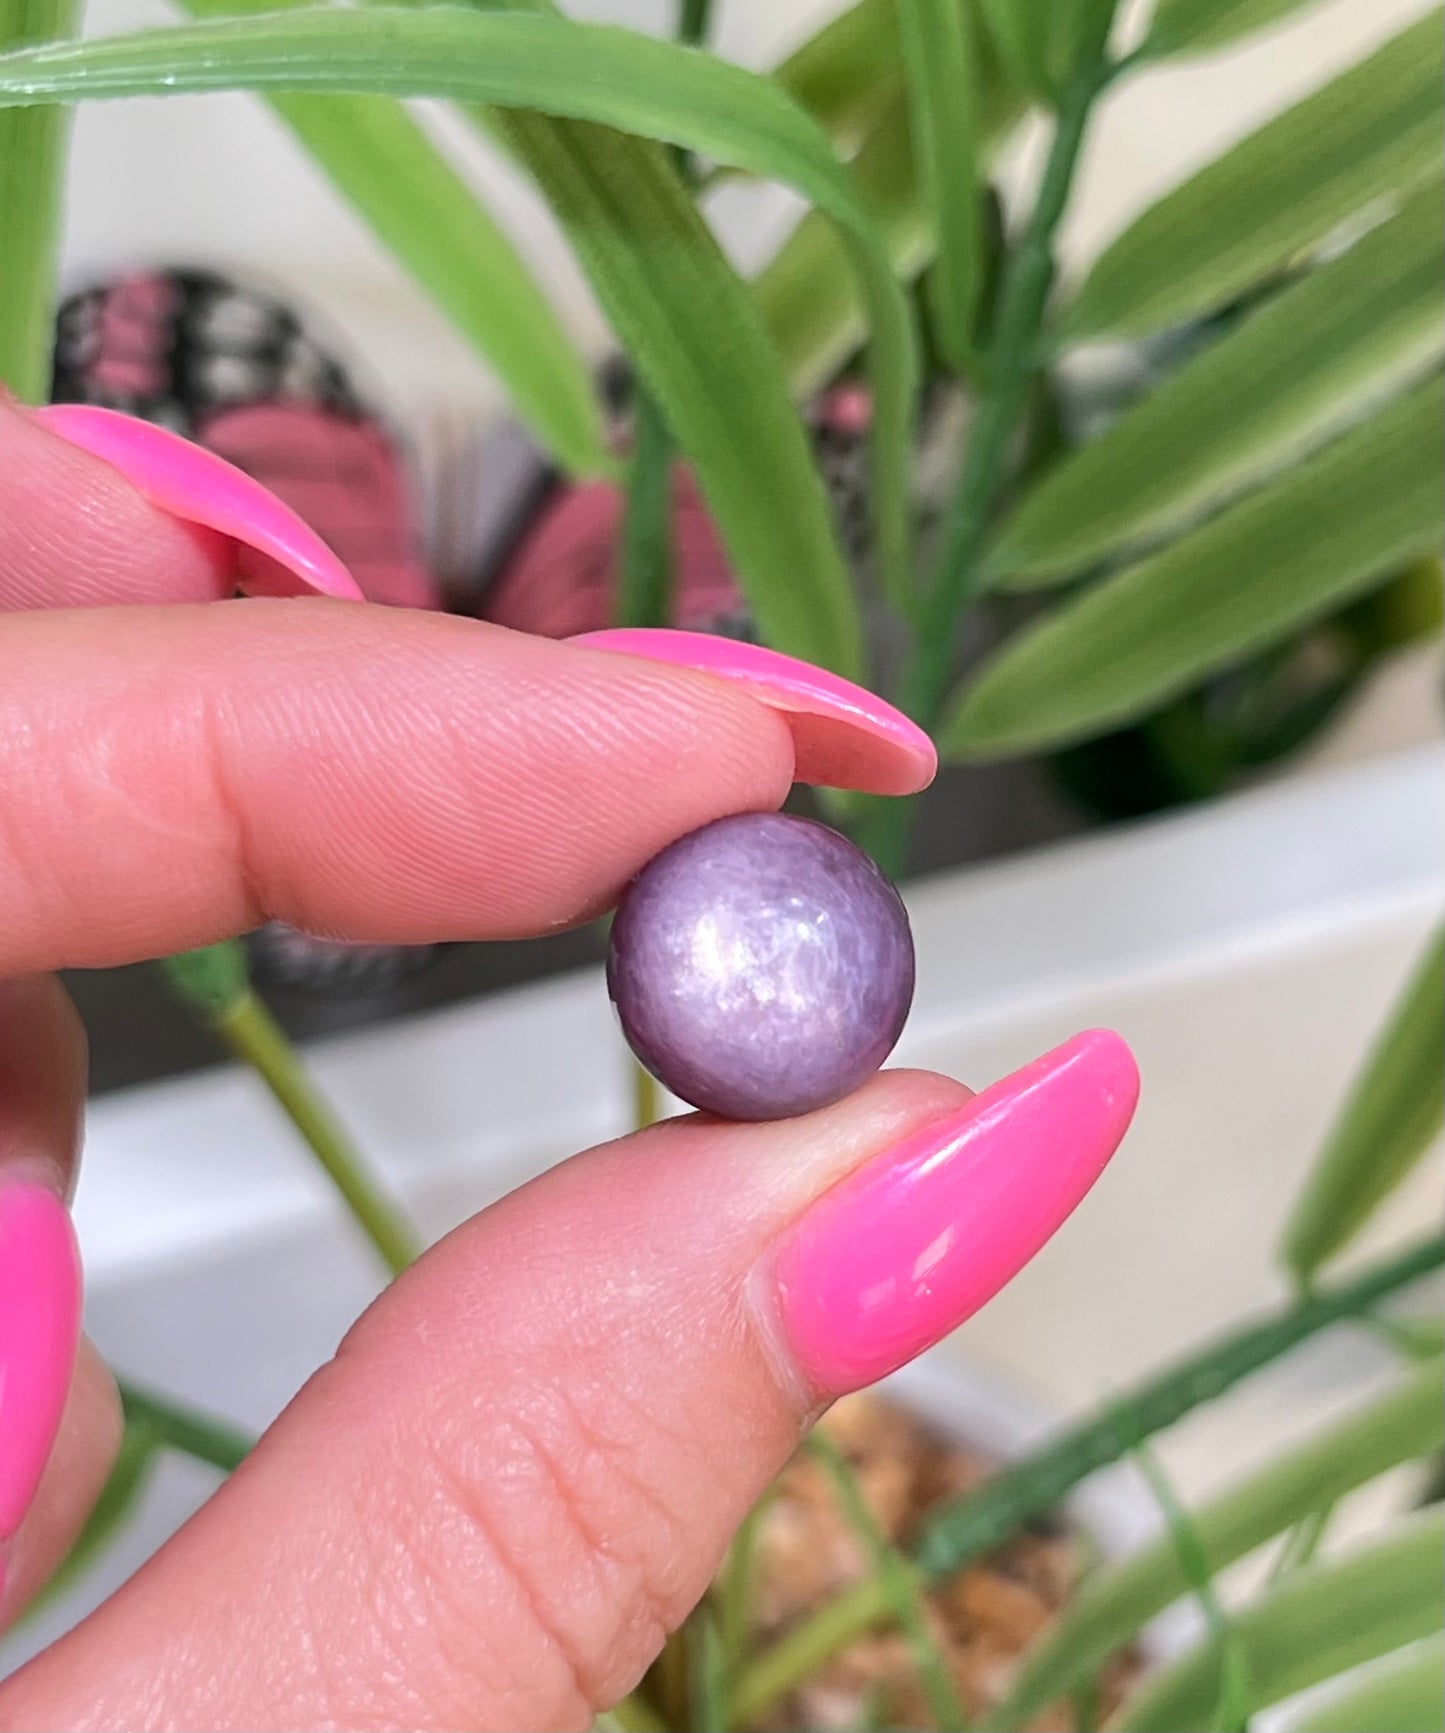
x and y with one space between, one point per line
982 1619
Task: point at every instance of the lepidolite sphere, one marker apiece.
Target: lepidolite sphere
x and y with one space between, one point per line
762 966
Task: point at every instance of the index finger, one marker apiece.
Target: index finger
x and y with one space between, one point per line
170 776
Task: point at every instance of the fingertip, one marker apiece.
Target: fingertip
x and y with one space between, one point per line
276 553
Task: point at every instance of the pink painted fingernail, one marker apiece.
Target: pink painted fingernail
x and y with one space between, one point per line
39 1330
843 735
902 1251
277 554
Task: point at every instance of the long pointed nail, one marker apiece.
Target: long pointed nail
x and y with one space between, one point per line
39 1331
277 553
843 735
901 1252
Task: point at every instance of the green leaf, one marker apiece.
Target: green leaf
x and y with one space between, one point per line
1116 1602
1231 1711
644 587
898 1583
382 161
943 102
772 515
1393 1112
969 1525
1280 558
1040 41
693 333
1372 132
1201 26
1021 31
850 72
1310 360
32 163
1318 1622
1405 1694
808 298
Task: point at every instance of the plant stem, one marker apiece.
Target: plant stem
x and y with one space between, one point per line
642 595
252 1034
1008 367
646 1098
692 20
1006 371
215 1441
971 1525
898 1577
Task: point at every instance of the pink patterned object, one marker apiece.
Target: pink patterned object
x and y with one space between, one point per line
562 579
843 735
343 478
237 371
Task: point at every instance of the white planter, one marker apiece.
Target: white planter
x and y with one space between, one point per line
1246 950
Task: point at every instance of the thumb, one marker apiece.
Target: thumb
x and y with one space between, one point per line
523 1465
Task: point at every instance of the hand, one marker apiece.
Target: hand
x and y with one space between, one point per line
526 1459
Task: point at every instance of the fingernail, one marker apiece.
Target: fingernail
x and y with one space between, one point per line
39 1330
843 735
278 554
902 1251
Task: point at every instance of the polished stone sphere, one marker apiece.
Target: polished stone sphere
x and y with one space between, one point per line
761 966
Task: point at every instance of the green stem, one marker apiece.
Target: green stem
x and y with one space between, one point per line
252 1034
735 1587
1007 371
692 20
32 163
971 1525
1008 368
646 1098
643 593
215 1441
900 1582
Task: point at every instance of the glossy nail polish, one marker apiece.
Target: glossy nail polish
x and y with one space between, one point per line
902 1251
278 554
843 735
39 1330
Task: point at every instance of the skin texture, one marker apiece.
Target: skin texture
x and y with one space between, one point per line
527 1457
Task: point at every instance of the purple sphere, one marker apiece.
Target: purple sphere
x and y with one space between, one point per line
762 966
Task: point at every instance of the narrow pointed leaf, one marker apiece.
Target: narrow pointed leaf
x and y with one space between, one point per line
616 78
1372 132
1318 1622
1283 556
32 165
943 102
1117 1601
1405 1694
1394 1111
808 298
847 74
1201 26
1312 359
1021 31
382 161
